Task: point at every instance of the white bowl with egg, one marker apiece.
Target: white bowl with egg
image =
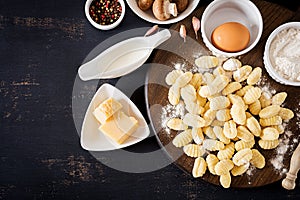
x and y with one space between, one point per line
282 54
219 12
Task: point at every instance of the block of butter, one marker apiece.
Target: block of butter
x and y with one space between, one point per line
119 127
106 109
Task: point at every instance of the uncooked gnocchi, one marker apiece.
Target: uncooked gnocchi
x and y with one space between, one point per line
199 168
225 111
183 138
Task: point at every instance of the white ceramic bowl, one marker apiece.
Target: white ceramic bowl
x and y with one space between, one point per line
148 15
267 61
103 27
222 11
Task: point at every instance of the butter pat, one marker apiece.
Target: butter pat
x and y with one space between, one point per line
119 127
106 109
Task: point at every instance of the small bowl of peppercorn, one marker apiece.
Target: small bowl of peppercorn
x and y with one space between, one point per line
105 14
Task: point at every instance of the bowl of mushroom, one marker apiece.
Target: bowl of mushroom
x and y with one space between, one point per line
162 11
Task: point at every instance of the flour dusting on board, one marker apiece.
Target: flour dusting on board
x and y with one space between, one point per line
169 111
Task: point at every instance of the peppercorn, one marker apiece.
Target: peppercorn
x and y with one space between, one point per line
105 12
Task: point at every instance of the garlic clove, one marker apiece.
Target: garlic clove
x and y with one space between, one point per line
182 32
196 25
152 30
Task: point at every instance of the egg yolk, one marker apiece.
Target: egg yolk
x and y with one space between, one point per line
231 37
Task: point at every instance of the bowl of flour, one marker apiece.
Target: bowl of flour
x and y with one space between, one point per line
282 54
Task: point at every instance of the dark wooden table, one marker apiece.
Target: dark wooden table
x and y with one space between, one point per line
42 44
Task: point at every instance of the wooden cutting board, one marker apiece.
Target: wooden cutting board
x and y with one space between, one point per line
173 52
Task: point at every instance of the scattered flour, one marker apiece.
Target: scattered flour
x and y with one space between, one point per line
169 111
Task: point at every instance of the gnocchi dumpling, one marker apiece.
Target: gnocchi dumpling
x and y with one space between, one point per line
286 114
197 80
199 167
244 134
174 95
188 93
258 160
220 135
211 161
239 145
219 103
184 79
279 98
276 120
269 133
176 124
230 130
225 180
213 145
227 152
268 144
183 138
209 132
231 88
242 73
172 76
194 120
242 157
197 135
238 114
240 170
232 64
269 111
193 150
254 76
252 95
241 92
223 115
223 167
194 108
254 126
207 62
255 107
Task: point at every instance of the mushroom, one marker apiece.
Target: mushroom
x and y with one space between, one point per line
181 4
145 4
163 9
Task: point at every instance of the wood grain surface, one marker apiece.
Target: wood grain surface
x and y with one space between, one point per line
157 92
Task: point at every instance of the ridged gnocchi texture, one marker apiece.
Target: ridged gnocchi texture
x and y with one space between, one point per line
254 126
220 135
223 115
197 135
242 157
227 152
183 138
238 114
254 76
188 93
269 111
225 180
223 167
252 95
244 134
229 129
176 124
207 62
199 167
211 161
255 107
197 80
258 160
174 95
240 170
172 76
276 120
193 120
232 64
279 98
242 73
183 79
239 145
213 145
193 150
231 88
268 144
218 103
